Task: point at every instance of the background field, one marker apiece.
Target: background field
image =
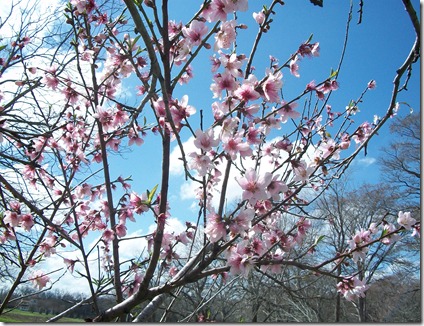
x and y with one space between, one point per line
19 316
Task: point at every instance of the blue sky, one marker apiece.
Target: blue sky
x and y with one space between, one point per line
376 48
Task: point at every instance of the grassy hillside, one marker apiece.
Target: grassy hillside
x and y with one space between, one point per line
19 316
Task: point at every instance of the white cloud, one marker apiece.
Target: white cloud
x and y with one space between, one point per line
176 163
366 161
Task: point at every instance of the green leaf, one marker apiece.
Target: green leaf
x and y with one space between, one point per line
383 233
151 194
310 38
333 73
2 47
319 239
351 104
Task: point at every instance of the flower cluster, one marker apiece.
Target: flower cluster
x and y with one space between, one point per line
14 218
352 288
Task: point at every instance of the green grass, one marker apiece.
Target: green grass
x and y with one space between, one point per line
19 316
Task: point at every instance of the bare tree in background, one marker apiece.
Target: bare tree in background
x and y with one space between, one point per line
401 160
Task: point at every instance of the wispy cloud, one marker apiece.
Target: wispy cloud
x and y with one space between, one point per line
366 161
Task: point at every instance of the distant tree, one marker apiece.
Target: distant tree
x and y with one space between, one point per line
395 299
401 160
350 215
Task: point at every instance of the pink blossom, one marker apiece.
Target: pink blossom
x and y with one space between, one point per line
174 28
195 32
362 133
236 5
328 86
240 260
186 76
50 78
226 35
389 228
181 110
183 237
358 244
87 55
272 86
83 6
70 94
309 50
345 142
254 186
47 247
246 92
134 138
219 9
242 222
294 67
215 227
287 111
105 116
205 140
120 230
253 135
27 222
352 288
328 148
259 17
234 145
285 145
83 190
39 279
372 84
416 231
405 220
223 82
7 235
274 268
11 218
301 171
135 285
70 264
303 226
276 187
201 163
108 235
215 11
232 63
120 117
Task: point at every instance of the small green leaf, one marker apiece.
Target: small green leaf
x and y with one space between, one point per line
319 239
151 194
310 38
383 233
2 47
333 73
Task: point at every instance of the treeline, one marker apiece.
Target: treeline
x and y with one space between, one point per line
292 297
392 299
52 302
